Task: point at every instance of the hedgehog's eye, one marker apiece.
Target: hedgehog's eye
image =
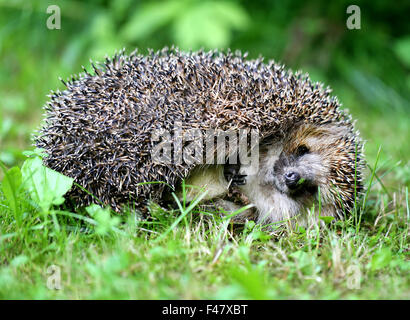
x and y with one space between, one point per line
301 150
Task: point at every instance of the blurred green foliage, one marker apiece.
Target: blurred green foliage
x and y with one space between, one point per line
367 68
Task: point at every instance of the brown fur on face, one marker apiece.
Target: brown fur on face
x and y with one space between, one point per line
309 160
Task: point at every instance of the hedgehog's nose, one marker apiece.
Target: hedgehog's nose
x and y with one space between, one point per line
291 178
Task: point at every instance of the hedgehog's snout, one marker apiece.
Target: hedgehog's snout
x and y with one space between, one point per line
296 174
292 179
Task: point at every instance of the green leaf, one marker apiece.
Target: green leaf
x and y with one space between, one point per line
14 102
36 152
231 13
150 18
10 186
402 50
301 181
381 259
197 28
105 222
327 219
209 24
195 23
19 261
104 34
45 186
260 235
306 262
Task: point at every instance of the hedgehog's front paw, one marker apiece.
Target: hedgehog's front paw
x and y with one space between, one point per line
231 174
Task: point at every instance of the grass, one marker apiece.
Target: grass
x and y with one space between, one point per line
185 253
50 253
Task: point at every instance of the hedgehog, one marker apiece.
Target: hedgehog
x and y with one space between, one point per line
296 172
103 128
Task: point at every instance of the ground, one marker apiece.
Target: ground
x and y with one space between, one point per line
189 254
48 251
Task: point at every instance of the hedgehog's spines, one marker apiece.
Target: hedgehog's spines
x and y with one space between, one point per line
98 130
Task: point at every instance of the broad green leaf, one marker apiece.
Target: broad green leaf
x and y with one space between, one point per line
195 23
19 261
199 28
231 13
46 186
105 222
402 50
14 102
36 152
105 38
150 18
6 125
10 186
306 262
208 24
381 259
327 219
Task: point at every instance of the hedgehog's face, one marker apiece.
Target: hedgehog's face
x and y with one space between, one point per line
303 161
298 174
